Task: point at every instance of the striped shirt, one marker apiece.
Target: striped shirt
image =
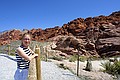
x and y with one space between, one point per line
21 62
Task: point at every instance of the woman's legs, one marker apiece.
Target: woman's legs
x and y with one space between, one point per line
21 74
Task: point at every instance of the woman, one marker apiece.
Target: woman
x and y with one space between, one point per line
24 56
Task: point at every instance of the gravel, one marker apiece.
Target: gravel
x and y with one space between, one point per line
7 67
50 71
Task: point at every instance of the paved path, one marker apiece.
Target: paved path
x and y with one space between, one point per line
50 71
7 67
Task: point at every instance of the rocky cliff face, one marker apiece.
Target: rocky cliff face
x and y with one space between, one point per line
99 35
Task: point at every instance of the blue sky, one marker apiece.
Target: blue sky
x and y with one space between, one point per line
29 14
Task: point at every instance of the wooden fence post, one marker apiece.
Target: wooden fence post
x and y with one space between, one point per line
32 69
78 65
8 49
78 62
38 63
46 54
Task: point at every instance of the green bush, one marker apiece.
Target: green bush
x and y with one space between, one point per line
109 68
117 67
56 58
82 58
73 58
112 67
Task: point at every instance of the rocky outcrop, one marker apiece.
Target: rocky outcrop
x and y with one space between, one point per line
100 35
7 37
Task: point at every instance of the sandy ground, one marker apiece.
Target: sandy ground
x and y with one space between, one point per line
49 70
95 74
8 67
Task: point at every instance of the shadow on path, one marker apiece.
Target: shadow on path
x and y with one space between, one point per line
7 56
68 74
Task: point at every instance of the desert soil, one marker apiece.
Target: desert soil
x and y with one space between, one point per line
95 74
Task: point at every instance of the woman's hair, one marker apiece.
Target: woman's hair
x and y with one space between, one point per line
25 35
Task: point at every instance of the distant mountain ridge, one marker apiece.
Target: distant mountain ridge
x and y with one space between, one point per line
102 31
4 31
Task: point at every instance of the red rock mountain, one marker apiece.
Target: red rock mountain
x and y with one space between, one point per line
100 34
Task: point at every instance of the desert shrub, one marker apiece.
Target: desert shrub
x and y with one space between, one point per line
73 58
111 67
117 67
82 58
12 54
56 58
